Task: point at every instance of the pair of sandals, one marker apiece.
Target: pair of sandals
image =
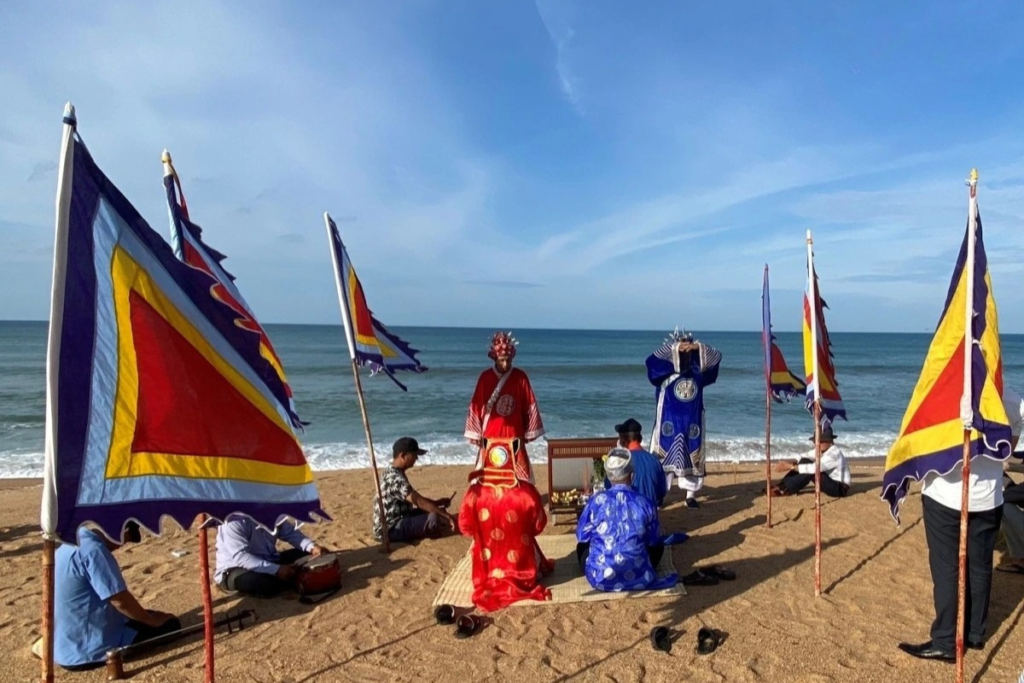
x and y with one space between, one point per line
465 624
708 639
708 576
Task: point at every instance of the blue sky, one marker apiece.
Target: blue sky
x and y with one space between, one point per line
548 164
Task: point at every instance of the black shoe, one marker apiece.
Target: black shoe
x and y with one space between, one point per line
975 644
928 651
692 503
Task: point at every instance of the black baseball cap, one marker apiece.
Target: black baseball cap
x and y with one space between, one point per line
628 426
826 436
406 444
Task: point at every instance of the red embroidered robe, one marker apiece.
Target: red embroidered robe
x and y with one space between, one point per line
503 523
514 413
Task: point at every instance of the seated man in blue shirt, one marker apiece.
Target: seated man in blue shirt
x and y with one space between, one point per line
619 543
648 476
248 561
93 609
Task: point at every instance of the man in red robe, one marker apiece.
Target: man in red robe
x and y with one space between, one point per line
503 405
503 516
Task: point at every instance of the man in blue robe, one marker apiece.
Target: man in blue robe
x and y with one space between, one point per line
648 476
680 370
619 539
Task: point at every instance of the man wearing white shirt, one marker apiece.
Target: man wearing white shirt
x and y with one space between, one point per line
248 561
940 497
835 473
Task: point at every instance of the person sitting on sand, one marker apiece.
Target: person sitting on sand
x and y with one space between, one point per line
410 516
619 542
648 476
835 473
248 561
93 609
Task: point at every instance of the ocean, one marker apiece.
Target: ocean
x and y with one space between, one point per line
585 382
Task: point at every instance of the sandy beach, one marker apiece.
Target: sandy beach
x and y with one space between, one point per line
876 592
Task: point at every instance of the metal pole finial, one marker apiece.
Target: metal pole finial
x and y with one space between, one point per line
69 115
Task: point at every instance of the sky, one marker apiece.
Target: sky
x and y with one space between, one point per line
560 164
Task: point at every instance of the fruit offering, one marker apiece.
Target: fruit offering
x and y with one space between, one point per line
570 497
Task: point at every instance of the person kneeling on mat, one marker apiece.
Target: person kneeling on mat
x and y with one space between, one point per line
248 561
619 542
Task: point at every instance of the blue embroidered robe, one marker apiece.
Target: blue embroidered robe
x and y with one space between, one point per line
680 380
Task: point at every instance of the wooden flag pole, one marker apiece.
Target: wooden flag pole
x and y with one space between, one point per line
967 417
961 591
204 540
768 454
766 341
817 497
204 581
373 456
49 506
49 547
349 337
815 387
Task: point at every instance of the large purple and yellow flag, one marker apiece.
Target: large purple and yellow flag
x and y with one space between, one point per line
943 404
187 242
781 383
370 343
158 402
819 366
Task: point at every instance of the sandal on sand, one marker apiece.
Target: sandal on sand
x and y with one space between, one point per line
445 614
465 626
707 641
661 638
719 572
699 578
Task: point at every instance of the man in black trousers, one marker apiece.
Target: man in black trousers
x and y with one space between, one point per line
940 496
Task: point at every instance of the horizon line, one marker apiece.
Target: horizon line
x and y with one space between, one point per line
574 329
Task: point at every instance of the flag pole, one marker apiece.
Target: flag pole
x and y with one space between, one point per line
813 303
48 508
766 335
204 581
967 417
349 337
202 532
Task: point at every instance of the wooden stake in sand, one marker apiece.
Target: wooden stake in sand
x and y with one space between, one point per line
967 417
350 338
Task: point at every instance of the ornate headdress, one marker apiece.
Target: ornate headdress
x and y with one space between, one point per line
502 344
501 456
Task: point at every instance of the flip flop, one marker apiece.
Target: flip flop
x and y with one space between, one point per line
465 626
445 614
720 572
674 538
1011 569
707 641
699 578
661 638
